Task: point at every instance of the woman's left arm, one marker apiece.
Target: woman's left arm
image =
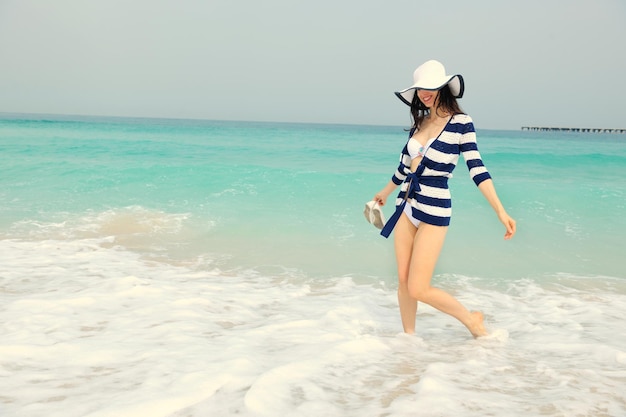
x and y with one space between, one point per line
489 191
479 174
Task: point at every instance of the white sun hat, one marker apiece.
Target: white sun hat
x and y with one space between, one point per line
431 75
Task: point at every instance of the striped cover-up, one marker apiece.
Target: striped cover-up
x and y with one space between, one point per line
426 189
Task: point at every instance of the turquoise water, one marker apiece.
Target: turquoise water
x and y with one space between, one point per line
292 195
194 268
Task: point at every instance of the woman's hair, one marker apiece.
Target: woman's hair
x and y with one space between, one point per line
445 102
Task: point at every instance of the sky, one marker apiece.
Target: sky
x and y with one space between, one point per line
525 63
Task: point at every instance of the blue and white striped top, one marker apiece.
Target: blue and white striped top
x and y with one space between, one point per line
426 189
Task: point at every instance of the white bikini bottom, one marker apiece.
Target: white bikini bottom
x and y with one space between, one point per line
408 210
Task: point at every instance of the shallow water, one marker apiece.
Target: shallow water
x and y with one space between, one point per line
180 268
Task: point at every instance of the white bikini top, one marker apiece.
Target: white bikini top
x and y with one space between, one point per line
416 150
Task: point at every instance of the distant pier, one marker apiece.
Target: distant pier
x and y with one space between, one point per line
573 129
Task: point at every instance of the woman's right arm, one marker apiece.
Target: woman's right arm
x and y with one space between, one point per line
398 177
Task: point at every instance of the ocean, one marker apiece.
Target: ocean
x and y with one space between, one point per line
189 268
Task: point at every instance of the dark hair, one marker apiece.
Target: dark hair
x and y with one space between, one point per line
446 102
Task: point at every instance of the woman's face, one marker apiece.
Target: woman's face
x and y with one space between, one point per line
428 97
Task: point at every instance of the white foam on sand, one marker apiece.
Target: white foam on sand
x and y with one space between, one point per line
90 329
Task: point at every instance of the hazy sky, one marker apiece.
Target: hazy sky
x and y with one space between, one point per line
530 62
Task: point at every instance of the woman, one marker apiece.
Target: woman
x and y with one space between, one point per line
440 133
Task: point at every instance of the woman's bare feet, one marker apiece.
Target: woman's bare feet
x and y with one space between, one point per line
476 326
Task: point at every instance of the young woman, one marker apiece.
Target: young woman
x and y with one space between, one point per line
440 133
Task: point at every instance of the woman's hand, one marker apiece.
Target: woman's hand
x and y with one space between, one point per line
380 198
509 223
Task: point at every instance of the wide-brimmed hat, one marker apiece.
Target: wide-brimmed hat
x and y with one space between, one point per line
431 75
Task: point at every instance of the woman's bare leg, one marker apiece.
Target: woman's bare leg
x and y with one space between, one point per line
404 235
427 244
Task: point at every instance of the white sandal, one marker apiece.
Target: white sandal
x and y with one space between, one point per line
374 214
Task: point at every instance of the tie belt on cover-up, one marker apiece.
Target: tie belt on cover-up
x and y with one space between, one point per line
413 179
